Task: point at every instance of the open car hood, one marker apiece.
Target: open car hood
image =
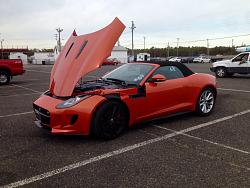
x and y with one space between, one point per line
81 55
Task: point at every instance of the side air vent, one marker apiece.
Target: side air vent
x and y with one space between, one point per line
69 50
82 47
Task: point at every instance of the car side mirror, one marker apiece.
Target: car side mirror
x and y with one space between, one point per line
158 78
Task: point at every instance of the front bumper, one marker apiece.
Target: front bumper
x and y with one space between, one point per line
73 120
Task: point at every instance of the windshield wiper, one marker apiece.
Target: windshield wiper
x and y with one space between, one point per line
122 82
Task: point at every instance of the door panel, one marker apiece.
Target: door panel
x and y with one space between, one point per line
165 97
237 66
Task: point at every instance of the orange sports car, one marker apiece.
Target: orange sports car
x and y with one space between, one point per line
130 94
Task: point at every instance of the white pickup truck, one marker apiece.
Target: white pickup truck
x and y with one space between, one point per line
239 64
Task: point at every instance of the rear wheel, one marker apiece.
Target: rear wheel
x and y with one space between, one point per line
205 103
4 77
109 120
221 72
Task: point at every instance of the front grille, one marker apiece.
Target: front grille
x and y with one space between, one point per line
42 115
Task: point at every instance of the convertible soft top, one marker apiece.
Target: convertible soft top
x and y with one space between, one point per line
184 69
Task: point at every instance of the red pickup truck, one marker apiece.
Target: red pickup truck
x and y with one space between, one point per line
10 68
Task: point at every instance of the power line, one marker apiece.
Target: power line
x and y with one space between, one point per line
218 38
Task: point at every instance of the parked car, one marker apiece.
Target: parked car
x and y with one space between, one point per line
187 60
202 59
239 64
111 62
10 68
175 59
130 94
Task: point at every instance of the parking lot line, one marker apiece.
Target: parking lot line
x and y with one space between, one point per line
27 88
204 140
119 151
17 95
235 90
17 114
24 85
29 70
46 72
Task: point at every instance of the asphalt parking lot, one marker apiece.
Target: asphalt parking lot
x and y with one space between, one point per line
180 151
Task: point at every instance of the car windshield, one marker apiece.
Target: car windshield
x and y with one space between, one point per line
129 73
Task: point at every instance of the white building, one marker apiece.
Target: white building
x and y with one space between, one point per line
120 53
43 58
143 57
19 55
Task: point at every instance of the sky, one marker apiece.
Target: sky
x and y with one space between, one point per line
33 23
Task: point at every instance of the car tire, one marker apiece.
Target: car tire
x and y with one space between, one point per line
109 120
4 77
205 102
221 72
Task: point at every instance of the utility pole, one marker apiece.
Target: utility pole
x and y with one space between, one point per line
168 49
2 48
144 38
207 47
232 45
178 39
132 29
59 30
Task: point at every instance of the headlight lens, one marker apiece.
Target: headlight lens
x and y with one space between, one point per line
71 102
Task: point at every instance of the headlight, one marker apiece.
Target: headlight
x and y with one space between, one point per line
71 102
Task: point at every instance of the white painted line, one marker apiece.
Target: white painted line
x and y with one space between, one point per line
42 83
17 114
49 73
234 90
27 88
17 95
116 152
204 140
29 70
24 85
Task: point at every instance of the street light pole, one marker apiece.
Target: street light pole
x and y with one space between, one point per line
2 48
232 45
59 30
132 29
144 39
207 47
168 49
178 39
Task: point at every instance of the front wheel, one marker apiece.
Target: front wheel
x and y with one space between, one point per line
109 120
221 72
205 103
4 77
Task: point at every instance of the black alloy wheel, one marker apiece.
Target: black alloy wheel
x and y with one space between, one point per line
109 120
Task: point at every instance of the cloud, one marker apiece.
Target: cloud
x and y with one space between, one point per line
34 22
